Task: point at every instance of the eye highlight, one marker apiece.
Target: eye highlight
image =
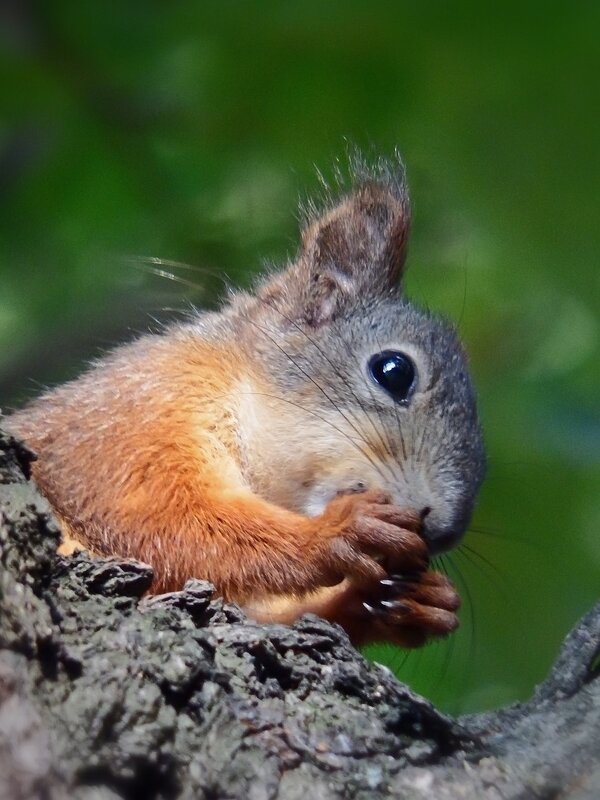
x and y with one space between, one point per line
395 372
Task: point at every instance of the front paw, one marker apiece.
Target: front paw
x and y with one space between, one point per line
364 537
410 609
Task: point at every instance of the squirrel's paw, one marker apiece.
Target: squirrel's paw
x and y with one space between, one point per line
409 609
364 536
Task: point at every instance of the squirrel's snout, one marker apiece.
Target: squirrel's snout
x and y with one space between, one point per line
440 541
442 536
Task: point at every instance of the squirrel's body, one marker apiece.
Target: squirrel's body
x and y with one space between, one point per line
254 447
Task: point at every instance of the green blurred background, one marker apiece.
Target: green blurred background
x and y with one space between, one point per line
188 131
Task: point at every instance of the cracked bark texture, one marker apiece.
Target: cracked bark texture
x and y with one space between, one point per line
107 694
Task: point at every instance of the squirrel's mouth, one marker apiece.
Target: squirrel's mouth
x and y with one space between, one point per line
442 544
441 537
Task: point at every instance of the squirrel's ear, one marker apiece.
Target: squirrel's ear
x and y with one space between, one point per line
356 250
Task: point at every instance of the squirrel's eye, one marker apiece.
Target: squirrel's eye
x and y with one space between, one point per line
394 372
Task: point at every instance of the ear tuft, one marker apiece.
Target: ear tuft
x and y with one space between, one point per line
352 250
358 245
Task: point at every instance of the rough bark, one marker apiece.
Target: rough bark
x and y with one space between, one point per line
106 694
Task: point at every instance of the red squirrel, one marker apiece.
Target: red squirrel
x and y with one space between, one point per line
309 447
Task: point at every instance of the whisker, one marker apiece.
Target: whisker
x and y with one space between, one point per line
464 298
466 592
385 442
402 442
162 273
439 562
378 410
486 532
336 370
507 537
447 646
489 574
405 665
321 418
451 643
142 262
400 663
465 547
421 445
306 411
325 394
424 435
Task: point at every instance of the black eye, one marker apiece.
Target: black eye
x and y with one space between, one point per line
394 372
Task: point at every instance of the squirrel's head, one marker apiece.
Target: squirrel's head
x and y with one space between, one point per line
363 389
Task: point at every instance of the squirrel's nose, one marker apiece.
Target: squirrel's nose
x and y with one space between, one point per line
440 537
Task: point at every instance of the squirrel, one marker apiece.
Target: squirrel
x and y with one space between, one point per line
307 448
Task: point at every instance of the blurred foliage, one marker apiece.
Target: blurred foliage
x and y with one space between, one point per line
187 131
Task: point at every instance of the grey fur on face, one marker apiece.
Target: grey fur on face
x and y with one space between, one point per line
315 326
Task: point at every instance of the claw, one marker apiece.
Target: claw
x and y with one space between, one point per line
395 605
395 584
404 577
377 612
403 583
